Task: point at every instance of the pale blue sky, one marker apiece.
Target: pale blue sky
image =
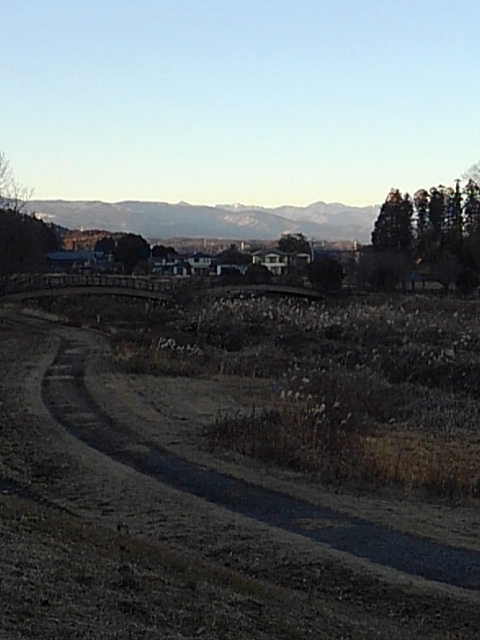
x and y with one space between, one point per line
255 101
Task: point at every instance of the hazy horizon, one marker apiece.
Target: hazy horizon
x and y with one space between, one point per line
246 205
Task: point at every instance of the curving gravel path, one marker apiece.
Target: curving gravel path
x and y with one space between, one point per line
68 400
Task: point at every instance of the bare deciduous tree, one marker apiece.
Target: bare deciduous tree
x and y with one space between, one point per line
473 173
12 194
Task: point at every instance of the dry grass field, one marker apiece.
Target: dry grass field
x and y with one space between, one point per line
396 381
369 404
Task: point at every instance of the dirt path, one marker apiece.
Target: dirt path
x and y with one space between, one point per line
172 412
44 456
67 398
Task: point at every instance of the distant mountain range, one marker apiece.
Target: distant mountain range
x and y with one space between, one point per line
161 220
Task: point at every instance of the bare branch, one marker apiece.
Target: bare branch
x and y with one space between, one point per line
12 194
473 173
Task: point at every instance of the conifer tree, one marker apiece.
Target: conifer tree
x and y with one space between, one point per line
393 229
436 214
421 203
471 212
471 208
453 220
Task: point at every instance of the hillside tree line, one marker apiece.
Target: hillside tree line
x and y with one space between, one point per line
437 230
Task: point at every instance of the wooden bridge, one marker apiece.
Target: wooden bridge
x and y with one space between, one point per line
28 286
22 287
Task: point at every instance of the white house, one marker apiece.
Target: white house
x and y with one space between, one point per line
275 261
200 263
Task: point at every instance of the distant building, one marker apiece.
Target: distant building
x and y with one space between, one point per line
231 259
171 265
78 260
200 263
274 260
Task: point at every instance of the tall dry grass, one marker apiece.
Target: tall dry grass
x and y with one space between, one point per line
370 389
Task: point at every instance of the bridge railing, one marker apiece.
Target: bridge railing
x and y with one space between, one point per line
20 283
27 283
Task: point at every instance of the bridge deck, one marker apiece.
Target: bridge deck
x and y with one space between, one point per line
26 286
92 290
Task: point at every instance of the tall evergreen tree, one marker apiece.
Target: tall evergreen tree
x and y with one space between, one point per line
471 208
471 212
436 214
421 200
393 229
453 220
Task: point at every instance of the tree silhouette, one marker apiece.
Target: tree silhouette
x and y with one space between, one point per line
24 242
12 195
393 230
453 226
161 251
105 244
130 250
24 238
293 243
421 201
436 214
471 208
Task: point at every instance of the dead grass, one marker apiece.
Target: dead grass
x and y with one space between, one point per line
445 466
302 440
62 577
371 389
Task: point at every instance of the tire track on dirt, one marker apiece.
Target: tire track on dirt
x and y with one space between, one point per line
66 397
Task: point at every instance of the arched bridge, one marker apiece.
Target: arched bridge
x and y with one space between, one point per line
22 287
28 286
